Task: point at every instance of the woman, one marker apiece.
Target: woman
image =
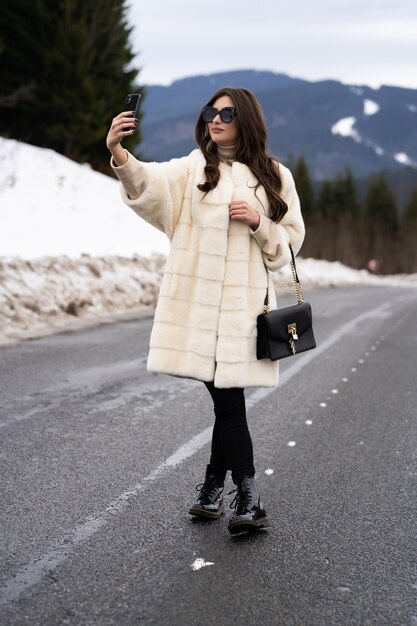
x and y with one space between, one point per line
230 211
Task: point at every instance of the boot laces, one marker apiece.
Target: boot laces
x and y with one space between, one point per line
209 488
242 499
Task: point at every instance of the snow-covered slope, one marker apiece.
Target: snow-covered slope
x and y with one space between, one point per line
72 253
50 205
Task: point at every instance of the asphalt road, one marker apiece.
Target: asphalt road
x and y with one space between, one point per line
99 461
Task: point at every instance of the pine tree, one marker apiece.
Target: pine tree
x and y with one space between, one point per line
381 224
409 234
409 220
65 70
380 205
305 189
344 195
326 200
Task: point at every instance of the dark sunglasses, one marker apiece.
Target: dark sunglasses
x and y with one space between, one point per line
227 114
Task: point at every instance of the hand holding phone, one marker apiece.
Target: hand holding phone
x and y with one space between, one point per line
132 104
121 127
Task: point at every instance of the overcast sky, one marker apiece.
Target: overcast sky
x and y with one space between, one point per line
369 42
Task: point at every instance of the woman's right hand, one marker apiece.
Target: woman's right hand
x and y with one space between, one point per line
121 126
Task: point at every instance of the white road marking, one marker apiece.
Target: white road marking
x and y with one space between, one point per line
269 472
323 404
33 572
291 444
308 422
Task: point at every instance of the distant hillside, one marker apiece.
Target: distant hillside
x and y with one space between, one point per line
332 124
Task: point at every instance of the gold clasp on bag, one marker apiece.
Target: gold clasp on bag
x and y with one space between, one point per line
292 331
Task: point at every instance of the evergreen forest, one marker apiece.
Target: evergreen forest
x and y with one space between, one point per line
363 234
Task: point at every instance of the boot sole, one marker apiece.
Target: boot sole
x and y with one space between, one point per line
242 526
197 512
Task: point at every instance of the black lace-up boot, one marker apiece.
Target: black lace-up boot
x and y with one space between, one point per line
249 513
210 502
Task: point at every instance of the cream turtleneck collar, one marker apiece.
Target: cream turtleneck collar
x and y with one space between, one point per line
226 153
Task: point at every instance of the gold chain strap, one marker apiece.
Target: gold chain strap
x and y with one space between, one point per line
297 286
267 306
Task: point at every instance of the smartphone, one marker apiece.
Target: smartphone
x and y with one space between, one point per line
132 104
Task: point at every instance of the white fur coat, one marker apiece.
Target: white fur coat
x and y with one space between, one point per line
214 282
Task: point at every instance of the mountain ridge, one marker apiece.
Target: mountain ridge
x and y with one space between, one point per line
332 124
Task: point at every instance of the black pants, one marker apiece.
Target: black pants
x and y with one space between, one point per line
231 445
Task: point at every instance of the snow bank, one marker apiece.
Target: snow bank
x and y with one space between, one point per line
315 273
45 295
48 294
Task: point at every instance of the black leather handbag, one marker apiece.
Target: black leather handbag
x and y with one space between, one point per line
288 331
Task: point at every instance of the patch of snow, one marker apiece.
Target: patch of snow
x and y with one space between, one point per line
370 107
403 158
358 91
412 108
199 563
344 127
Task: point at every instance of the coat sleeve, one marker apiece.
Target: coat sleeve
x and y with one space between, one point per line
273 238
155 191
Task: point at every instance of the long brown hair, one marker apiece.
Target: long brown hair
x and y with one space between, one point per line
251 149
